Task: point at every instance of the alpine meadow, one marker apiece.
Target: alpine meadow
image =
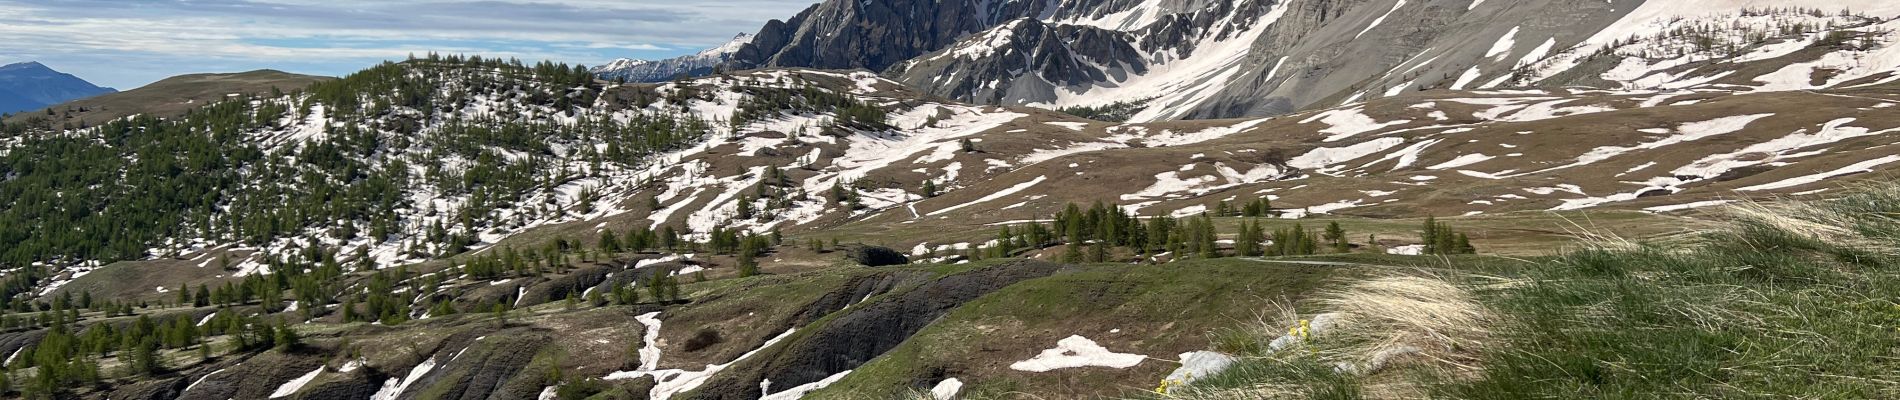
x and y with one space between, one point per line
944 199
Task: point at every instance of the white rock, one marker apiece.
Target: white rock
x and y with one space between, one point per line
1200 364
946 390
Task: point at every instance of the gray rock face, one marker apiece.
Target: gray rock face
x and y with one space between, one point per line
876 35
866 331
1182 59
703 63
1342 51
850 34
1022 59
874 256
1256 57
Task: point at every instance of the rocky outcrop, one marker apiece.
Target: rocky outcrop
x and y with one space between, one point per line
863 332
358 384
156 389
1021 59
853 34
492 366
257 377
700 64
875 256
1182 59
573 284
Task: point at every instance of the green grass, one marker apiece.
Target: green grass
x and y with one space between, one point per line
1768 308
1523 234
1790 300
1170 307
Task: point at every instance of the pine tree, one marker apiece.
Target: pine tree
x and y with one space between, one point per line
1208 237
1098 252
669 239
286 338
748 263
656 286
1072 253
745 208
142 357
1336 237
608 242
930 188
1247 242
202 298
1260 207
349 310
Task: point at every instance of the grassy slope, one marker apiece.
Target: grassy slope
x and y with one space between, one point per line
1791 300
172 96
1159 311
1528 233
1760 310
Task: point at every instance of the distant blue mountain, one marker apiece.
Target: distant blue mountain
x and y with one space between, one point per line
30 86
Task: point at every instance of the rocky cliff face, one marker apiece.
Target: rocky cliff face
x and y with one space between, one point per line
702 63
878 35
1191 59
1266 57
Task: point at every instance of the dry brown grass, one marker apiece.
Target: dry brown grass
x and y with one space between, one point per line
1415 320
1824 224
1386 333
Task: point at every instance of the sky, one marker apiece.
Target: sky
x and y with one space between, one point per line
129 43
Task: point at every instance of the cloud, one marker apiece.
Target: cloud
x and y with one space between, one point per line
338 36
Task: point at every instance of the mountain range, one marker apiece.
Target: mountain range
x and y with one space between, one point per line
1185 59
698 64
31 86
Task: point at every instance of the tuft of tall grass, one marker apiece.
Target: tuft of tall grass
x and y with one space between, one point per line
1418 324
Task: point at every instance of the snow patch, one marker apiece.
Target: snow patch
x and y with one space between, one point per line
290 388
1076 352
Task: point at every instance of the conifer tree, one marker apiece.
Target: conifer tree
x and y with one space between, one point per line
748 263
656 286
608 242
286 338
1336 237
1247 242
1207 237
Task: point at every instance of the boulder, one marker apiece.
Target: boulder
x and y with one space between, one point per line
875 256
